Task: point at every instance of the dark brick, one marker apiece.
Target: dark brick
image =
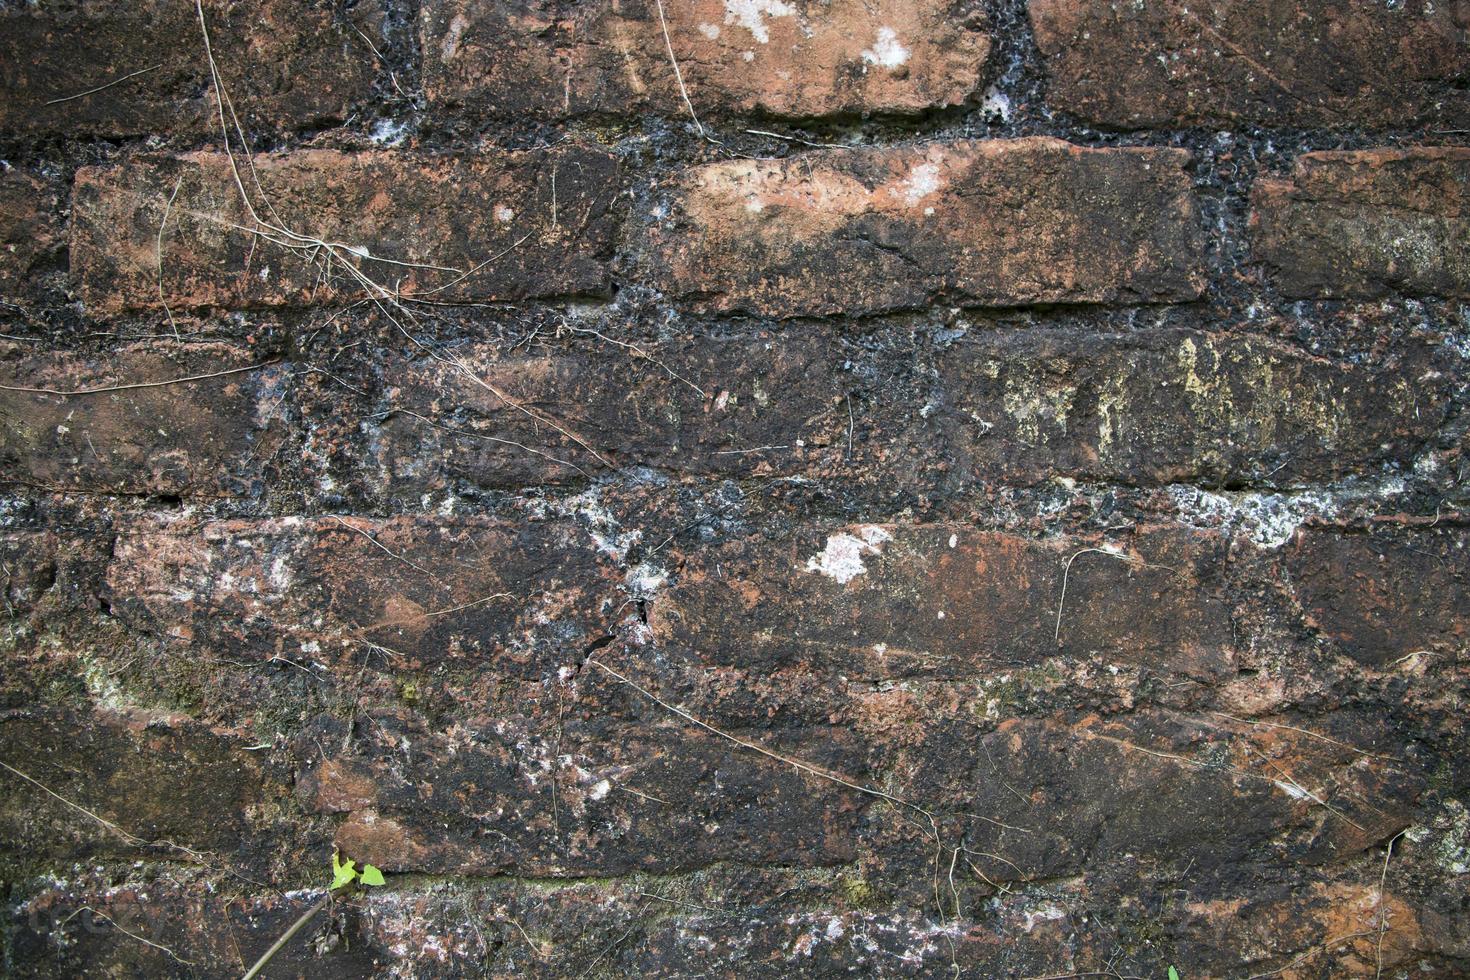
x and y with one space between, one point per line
208 437
892 601
501 226
628 798
995 223
518 595
1217 408
161 785
1364 223
1172 786
286 63
29 228
178 922
692 405
802 58
28 564
1278 63
1386 594
1014 406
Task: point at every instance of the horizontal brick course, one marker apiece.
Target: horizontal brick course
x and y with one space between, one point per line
157 433
1364 223
994 223
288 63
494 226
1013 406
802 58
888 601
1273 63
418 591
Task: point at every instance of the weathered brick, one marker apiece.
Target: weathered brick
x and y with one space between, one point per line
289 63
803 58
1012 406
1363 223
693 405
1276 63
1100 789
996 223
184 785
892 601
108 920
497 795
28 563
1386 594
29 228
1217 408
208 436
496 226
516 594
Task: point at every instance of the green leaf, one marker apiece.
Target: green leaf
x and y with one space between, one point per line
1173 974
343 872
371 875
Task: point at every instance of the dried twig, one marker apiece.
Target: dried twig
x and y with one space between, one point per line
679 75
115 81
1382 913
286 937
1067 572
158 256
126 931
65 393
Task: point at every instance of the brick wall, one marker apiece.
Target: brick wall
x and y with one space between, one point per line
923 489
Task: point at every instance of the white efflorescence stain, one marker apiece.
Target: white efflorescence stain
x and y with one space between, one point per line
922 181
752 14
886 50
842 559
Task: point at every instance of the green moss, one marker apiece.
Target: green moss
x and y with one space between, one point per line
859 893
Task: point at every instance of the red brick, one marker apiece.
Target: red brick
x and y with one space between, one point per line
478 799
504 226
1363 223
158 783
419 591
210 436
288 63
1274 63
29 227
799 58
889 601
996 223
1386 594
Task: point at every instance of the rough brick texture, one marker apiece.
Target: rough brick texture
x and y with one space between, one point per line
210 436
435 224
994 223
91 66
804 58
735 488
1369 222
1322 63
29 230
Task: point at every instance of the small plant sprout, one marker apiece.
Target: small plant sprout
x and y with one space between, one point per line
345 873
345 877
